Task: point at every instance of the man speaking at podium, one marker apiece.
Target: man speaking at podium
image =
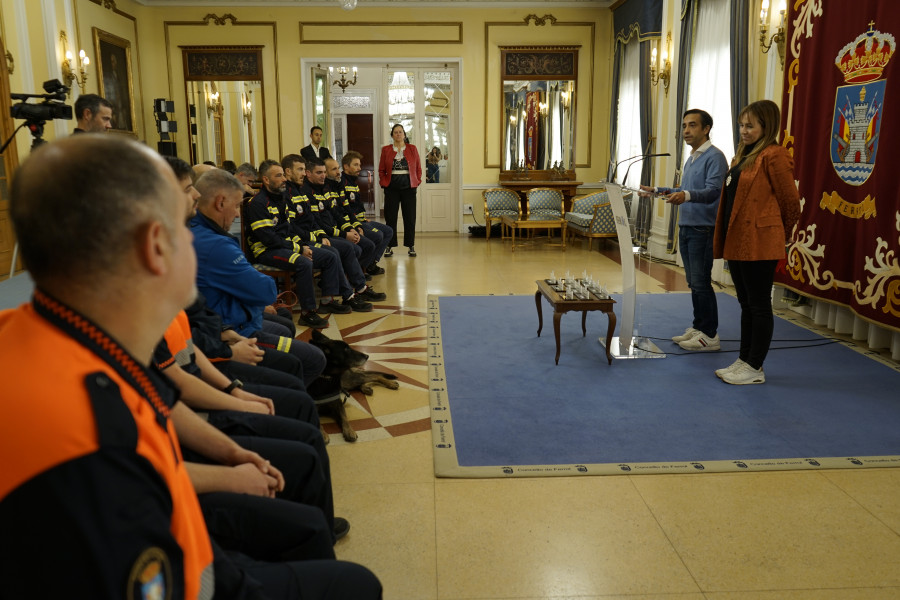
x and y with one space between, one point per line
698 196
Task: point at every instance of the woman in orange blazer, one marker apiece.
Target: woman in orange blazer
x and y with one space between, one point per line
399 174
759 207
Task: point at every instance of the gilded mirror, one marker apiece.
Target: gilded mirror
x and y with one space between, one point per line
225 99
538 95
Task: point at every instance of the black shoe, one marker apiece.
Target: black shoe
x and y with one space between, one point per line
389 252
412 251
357 304
371 295
341 527
333 307
368 277
374 269
312 319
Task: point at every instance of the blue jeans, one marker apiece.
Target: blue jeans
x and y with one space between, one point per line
696 245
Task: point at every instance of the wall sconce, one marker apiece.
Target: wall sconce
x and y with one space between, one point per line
777 37
543 107
248 108
213 103
344 83
663 70
68 73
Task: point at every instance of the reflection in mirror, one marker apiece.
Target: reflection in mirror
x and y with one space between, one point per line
228 115
402 103
321 103
224 93
538 124
437 118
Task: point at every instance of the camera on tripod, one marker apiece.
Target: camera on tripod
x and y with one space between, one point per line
35 115
53 106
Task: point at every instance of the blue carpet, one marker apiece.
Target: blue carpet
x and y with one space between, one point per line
501 407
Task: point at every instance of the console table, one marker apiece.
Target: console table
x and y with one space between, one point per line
540 179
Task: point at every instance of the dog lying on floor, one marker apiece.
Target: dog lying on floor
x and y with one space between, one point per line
343 373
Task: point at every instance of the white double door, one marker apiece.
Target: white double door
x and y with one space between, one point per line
421 96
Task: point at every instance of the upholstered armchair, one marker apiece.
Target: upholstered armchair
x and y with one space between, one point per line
545 203
499 202
591 217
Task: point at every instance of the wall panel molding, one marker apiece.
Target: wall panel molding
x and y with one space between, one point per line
228 20
366 32
492 68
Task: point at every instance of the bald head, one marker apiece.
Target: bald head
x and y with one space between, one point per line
81 223
332 169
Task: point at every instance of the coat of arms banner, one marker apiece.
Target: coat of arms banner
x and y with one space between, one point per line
841 121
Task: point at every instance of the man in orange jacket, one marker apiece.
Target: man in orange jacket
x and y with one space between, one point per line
95 499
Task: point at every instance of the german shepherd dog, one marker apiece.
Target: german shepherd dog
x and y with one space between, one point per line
343 373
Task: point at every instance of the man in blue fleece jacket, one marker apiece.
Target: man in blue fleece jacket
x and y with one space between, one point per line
698 199
233 288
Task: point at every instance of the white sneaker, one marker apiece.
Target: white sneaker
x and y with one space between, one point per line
744 375
688 334
735 365
701 343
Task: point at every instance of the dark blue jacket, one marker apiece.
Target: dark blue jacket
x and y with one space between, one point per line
232 286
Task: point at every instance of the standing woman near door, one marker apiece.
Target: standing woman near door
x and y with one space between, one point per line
400 173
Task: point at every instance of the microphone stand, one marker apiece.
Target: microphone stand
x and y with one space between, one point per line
616 168
642 156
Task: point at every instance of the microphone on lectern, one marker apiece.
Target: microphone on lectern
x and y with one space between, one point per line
612 179
641 157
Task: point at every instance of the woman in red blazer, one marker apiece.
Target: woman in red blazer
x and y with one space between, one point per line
759 207
400 173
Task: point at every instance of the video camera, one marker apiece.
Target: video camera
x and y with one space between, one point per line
53 106
35 115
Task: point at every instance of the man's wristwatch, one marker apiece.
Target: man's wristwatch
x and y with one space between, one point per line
235 383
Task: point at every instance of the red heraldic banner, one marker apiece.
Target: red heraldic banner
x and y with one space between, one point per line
841 121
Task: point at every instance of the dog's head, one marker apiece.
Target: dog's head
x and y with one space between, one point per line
338 353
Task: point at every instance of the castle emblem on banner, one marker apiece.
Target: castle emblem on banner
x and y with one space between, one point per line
859 106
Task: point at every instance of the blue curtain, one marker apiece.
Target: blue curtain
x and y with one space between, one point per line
644 216
740 26
614 113
646 15
688 21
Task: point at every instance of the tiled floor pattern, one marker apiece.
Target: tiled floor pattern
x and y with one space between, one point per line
828 535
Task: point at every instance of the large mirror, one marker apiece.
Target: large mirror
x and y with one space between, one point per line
538 95
224 95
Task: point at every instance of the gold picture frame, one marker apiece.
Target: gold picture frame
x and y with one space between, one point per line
114 77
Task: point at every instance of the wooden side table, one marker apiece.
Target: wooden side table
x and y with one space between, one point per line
535 222
560 306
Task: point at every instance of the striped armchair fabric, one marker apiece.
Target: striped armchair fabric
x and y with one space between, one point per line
499 202
591 217
545 202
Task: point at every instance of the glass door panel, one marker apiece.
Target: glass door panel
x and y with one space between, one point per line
402 101
438 98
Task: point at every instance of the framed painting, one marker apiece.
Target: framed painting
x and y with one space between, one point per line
114 77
